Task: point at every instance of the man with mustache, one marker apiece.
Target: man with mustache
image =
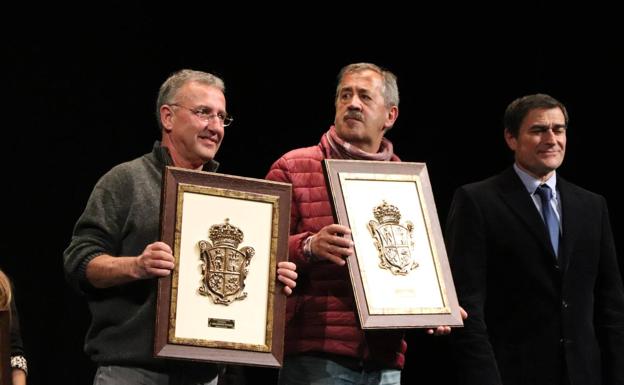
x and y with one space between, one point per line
324 342
115 257
534 264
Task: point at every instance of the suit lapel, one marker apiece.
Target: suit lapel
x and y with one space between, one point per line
571 204
515 196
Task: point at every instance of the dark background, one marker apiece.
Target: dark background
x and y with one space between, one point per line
81 93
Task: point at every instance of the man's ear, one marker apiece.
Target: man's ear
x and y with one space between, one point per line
512 141
166 117
393 114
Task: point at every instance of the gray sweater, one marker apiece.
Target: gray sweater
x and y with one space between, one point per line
121 218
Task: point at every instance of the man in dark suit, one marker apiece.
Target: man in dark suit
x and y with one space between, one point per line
538 276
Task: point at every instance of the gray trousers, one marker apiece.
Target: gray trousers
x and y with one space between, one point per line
124 375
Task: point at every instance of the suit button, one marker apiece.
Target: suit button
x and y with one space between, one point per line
564 304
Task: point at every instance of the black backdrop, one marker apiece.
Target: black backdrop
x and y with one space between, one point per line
81 95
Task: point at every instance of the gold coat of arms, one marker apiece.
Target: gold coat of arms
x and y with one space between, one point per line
224 267
392 239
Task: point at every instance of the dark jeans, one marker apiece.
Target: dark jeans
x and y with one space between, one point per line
314 370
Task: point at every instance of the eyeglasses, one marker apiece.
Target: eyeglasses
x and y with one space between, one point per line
205 114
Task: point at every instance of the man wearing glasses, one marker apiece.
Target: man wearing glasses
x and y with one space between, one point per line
114 255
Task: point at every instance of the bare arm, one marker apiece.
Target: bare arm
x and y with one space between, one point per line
106 271
19 377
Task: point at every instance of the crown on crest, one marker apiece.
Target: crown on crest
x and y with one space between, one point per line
225 234
386 213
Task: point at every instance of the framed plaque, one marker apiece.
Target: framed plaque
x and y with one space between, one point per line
400 272
222 303
5 349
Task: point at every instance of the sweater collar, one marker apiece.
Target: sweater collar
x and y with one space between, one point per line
162 155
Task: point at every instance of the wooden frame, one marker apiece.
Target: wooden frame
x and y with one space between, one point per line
5 348
400 272
222 302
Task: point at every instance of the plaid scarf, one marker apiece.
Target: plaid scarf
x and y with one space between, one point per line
339 149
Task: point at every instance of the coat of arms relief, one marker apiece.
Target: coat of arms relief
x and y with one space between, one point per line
224 266
392 239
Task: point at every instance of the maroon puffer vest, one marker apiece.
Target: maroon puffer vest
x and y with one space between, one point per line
321 314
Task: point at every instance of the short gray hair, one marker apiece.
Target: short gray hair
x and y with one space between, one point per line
389 90
169 89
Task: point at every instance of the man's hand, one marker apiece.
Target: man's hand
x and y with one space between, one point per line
329 244
155 261
287 275
444 330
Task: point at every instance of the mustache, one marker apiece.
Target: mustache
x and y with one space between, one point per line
354 115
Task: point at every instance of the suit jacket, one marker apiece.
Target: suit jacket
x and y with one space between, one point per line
532 314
